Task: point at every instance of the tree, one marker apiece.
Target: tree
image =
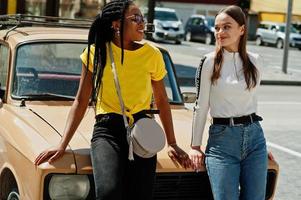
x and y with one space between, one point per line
244 4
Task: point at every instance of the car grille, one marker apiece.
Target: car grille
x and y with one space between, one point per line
194 186
182 186
170 28
297 39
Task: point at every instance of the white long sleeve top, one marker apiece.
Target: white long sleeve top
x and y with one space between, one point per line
229 96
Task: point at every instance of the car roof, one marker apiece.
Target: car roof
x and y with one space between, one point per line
197 16
164 9
26 34
272 23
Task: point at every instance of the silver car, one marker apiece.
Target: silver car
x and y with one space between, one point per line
167 26
274 33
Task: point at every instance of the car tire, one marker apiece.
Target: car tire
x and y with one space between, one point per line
279 44
208 39
188 36
13 195
258 41
178 42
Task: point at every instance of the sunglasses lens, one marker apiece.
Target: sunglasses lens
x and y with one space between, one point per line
139 19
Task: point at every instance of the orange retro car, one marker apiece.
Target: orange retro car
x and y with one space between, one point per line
39 76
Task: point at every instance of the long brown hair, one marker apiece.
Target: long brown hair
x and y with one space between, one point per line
249 69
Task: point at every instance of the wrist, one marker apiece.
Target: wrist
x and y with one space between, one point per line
196 147
172 144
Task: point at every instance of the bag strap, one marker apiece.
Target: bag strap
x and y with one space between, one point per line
198 76
118 90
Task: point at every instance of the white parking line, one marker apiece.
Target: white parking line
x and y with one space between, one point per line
290 69
279 103
284 149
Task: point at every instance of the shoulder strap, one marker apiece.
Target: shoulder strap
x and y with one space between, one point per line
198 76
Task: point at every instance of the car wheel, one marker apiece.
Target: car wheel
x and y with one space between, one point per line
208 39
178 42
258 41
13 195
188 36
279 44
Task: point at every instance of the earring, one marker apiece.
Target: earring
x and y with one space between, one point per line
117 32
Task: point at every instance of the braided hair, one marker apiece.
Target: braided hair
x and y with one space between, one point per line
102 32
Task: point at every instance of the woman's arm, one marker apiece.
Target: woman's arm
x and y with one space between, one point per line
75 116
161 100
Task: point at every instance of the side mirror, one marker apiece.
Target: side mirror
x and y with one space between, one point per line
189 97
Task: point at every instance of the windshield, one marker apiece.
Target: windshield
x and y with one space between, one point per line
47 68
51 71
166 16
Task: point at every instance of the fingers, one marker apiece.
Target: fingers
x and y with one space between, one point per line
197 160
270 156
49 156
57 155
177 155
42 157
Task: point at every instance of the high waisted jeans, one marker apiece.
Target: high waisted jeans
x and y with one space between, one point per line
117 178
236 161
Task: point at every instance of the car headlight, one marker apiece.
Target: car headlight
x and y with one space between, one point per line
69 187
159 25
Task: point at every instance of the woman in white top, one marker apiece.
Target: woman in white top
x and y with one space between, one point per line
236 154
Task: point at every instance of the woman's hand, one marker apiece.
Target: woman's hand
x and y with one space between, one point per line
178 155
270 156
50 155
197 158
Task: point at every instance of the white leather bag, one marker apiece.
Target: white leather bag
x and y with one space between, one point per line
148 137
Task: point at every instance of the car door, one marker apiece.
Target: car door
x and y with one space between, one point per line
272 34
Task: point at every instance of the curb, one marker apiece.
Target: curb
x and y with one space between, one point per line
190 82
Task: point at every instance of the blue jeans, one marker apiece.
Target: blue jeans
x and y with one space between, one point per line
115 177
236 161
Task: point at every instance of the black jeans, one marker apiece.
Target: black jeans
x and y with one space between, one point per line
117 178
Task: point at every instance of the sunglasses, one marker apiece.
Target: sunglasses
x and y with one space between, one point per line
138 19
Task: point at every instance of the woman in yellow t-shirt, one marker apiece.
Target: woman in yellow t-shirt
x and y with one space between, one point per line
140 69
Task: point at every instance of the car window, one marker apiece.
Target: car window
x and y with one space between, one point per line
47 68
3 68
166 16
210 21
293 29
196 21
170 81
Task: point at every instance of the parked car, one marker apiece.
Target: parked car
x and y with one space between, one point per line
168 26
39 74
201 28
274 33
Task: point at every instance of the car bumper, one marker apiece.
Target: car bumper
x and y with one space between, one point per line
168 35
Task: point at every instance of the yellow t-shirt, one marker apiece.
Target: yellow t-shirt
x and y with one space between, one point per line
139 68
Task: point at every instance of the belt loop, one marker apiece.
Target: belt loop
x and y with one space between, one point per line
231 121
251 119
